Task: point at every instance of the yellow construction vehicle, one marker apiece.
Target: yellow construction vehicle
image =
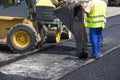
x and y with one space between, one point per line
22 30
18 25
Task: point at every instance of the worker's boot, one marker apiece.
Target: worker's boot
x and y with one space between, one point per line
83 55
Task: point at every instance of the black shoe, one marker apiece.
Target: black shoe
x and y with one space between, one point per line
96 58
83 55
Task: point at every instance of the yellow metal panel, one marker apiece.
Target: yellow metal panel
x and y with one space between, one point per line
5 25
8 22
45 3
9 18
31 23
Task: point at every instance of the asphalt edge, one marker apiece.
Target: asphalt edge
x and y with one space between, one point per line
86 63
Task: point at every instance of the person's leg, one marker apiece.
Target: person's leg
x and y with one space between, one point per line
99 34
94 41
101 37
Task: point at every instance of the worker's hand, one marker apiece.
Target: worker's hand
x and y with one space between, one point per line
82 7
82 4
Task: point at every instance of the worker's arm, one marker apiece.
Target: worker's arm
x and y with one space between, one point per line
83 7
87 9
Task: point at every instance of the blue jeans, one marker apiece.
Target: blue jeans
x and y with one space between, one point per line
95 39
101 38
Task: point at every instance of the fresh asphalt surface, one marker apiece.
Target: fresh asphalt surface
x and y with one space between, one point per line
106 68
58 60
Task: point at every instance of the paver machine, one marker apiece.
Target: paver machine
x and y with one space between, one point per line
54 26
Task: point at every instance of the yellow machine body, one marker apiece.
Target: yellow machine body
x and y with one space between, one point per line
45 3
6 23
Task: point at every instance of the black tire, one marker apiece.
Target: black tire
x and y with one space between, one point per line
53 36
4 47
22 42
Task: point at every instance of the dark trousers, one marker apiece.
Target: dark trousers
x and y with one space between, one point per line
95 39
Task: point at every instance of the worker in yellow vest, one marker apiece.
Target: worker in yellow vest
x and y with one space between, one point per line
95 20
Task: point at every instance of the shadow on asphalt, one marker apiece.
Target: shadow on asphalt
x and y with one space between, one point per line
60 50
14 77
5 49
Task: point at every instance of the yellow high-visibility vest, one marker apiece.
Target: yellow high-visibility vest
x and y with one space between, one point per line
96 18
45 3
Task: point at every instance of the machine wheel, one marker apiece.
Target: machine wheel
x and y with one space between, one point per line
22 38
66 34
53 36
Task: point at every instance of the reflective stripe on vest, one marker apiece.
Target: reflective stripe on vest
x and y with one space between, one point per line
97 18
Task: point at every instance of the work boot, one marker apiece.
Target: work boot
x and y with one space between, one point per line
93 57
83 55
